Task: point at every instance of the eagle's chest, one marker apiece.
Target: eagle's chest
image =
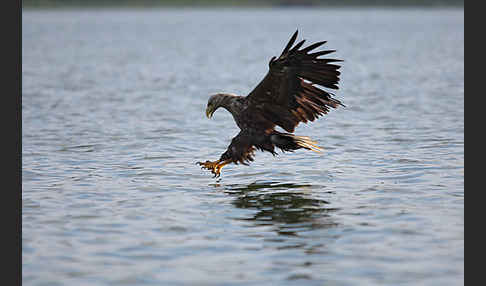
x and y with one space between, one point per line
247 118
252 121
241 119
240 114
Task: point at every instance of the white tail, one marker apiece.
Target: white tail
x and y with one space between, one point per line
307 143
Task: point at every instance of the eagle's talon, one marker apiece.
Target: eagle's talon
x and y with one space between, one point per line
211 166
216 171
215 167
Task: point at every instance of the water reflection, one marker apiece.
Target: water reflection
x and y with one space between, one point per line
289 207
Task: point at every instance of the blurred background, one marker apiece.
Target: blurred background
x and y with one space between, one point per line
60 3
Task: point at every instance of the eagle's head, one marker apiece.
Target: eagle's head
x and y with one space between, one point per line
218 100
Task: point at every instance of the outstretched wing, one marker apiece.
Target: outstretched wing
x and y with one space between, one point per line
288 94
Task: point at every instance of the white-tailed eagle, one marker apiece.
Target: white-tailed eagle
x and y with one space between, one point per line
286 96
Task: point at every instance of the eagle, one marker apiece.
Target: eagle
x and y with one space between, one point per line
291 92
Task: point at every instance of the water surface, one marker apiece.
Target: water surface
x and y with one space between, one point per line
113 121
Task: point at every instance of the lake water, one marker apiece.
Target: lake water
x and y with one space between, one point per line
113 122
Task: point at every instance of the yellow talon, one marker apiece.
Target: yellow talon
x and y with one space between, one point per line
215 167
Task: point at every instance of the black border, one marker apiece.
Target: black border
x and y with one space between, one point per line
12 78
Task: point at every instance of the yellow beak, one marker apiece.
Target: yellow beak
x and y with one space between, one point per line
209 112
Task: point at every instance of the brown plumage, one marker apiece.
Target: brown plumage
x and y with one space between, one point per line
286 96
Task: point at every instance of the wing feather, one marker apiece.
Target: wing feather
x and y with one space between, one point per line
313 46
289 94
322 53
296 47
290 43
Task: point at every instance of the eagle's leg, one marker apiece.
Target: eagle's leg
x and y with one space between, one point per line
217 171
209 165
215 166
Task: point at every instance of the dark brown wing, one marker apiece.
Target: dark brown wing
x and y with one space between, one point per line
288 95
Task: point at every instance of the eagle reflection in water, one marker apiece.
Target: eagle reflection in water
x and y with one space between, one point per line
286 207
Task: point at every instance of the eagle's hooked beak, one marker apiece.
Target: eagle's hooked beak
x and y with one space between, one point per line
209 111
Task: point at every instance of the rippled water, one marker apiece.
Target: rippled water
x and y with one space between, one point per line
113 121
